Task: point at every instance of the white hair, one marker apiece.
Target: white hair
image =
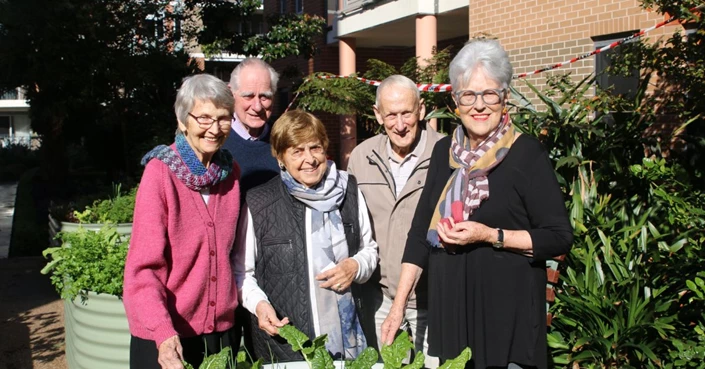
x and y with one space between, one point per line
203 87
485 53
399 81
252 62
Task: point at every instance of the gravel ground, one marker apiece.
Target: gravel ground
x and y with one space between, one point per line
31 317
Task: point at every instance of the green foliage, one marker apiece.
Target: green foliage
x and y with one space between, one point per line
317 357
87 261
677 63
220 360
348 96
110 81
394 354
343 96
15 159
289 34
119 208
459 362
639 228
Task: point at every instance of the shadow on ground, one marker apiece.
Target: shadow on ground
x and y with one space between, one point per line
31 317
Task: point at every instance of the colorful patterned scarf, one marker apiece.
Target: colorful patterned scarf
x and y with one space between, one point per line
188 168
468 186
335 309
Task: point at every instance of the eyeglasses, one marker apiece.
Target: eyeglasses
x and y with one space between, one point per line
489 97
206 122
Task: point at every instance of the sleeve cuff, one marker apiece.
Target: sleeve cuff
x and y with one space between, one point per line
162 332
253 299
358 275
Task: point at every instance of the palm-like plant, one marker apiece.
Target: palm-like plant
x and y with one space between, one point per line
638 233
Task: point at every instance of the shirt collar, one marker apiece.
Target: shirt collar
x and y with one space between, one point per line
239 128
418 150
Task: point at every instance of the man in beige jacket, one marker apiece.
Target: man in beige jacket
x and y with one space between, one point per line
391 171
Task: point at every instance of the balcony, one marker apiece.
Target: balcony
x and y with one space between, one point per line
13 101
382 23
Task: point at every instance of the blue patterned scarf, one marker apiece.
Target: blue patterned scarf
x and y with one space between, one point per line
328 248
188 168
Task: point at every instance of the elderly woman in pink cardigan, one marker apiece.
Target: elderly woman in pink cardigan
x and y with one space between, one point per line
179 292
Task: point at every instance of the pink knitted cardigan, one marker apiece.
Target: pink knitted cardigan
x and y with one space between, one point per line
178 275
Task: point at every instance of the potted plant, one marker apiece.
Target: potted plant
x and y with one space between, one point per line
87 270
117 209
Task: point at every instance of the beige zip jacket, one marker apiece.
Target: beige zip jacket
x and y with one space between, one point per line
391 216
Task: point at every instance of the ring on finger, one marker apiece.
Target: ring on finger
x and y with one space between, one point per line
338 286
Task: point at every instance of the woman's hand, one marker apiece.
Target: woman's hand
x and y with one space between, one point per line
340 277
391 325
171 353
463 233
267 319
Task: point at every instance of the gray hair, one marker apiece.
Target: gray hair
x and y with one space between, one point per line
485 53
204 87
399 81
253 62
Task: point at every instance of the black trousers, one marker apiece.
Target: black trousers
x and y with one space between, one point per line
144 353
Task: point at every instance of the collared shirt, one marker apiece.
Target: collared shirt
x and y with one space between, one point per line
401 169
239 128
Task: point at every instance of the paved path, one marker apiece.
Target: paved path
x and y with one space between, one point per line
7 210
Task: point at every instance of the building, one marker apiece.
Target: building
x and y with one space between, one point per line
359 30
14 120
538 33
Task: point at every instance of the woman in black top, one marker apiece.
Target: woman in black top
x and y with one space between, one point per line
489 217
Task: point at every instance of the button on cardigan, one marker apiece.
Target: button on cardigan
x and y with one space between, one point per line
179 269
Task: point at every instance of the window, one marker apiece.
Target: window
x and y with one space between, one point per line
299 4
9 95
4 126
282 6
617 84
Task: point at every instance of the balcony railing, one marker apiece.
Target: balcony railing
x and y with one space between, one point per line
15 94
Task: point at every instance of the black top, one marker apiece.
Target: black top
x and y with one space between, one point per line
493 301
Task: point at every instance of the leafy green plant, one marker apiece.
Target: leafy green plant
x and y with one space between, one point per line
348 96
118 208
624 300
220 360
315 353
87 261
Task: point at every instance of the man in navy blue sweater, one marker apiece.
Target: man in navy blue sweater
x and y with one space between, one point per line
253 83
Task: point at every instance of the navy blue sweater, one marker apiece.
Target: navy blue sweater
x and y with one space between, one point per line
257 165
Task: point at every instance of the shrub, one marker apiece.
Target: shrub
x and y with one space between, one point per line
118 208
15 159
88 261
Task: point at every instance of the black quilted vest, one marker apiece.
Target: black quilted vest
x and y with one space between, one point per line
281 266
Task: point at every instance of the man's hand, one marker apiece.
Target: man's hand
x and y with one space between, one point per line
267 319
340 277
391 325
171 353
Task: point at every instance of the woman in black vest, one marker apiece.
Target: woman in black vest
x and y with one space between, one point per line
308 246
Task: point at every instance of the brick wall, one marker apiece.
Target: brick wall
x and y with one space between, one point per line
537 33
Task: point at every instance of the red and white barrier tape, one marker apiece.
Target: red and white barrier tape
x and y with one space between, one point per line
610 46
444 87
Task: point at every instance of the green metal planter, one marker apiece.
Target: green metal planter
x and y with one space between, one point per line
97 334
